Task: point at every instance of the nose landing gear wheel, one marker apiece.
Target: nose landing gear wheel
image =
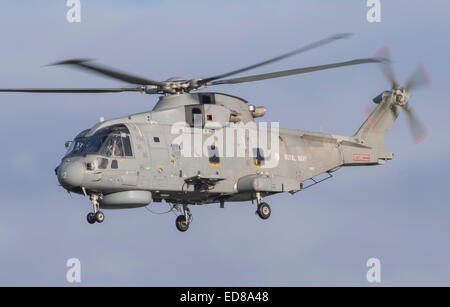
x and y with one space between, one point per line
264 211
182 223
99 217
91 218
96 216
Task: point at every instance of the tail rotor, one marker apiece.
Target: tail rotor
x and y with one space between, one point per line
401 95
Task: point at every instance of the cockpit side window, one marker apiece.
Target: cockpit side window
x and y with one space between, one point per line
127 146
117 142
117 145
112 146
109 141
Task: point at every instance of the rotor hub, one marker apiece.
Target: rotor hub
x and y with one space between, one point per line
401 96
177 79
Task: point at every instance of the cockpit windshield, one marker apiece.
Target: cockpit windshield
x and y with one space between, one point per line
109 141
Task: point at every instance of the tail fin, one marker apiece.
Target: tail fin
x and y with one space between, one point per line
372 132
369 147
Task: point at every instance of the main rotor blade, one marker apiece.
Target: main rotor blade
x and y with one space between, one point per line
70 90
278 58
386 65
109 72
418 79
291 72
418 131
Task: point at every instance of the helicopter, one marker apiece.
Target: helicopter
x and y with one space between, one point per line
199 148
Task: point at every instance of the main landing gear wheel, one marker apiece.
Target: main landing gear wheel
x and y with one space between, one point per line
182 223
264 211
99 217
91 218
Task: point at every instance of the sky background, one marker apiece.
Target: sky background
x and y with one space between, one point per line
398 212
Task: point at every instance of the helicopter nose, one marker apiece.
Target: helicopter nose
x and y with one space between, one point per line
71 174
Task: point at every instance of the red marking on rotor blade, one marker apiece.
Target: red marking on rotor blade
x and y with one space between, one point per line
426 73
420 138
380 51
368 118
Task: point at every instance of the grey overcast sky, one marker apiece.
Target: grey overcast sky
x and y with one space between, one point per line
398 213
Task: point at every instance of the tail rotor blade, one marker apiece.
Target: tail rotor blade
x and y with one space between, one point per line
386 65
418 79
418 131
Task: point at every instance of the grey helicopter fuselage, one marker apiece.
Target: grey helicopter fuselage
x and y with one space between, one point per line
198 148
131 161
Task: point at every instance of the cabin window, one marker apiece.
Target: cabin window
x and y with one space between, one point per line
213 154
258 156
156 139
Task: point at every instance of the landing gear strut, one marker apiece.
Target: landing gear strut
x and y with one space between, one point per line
183 221
97 215
263 210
